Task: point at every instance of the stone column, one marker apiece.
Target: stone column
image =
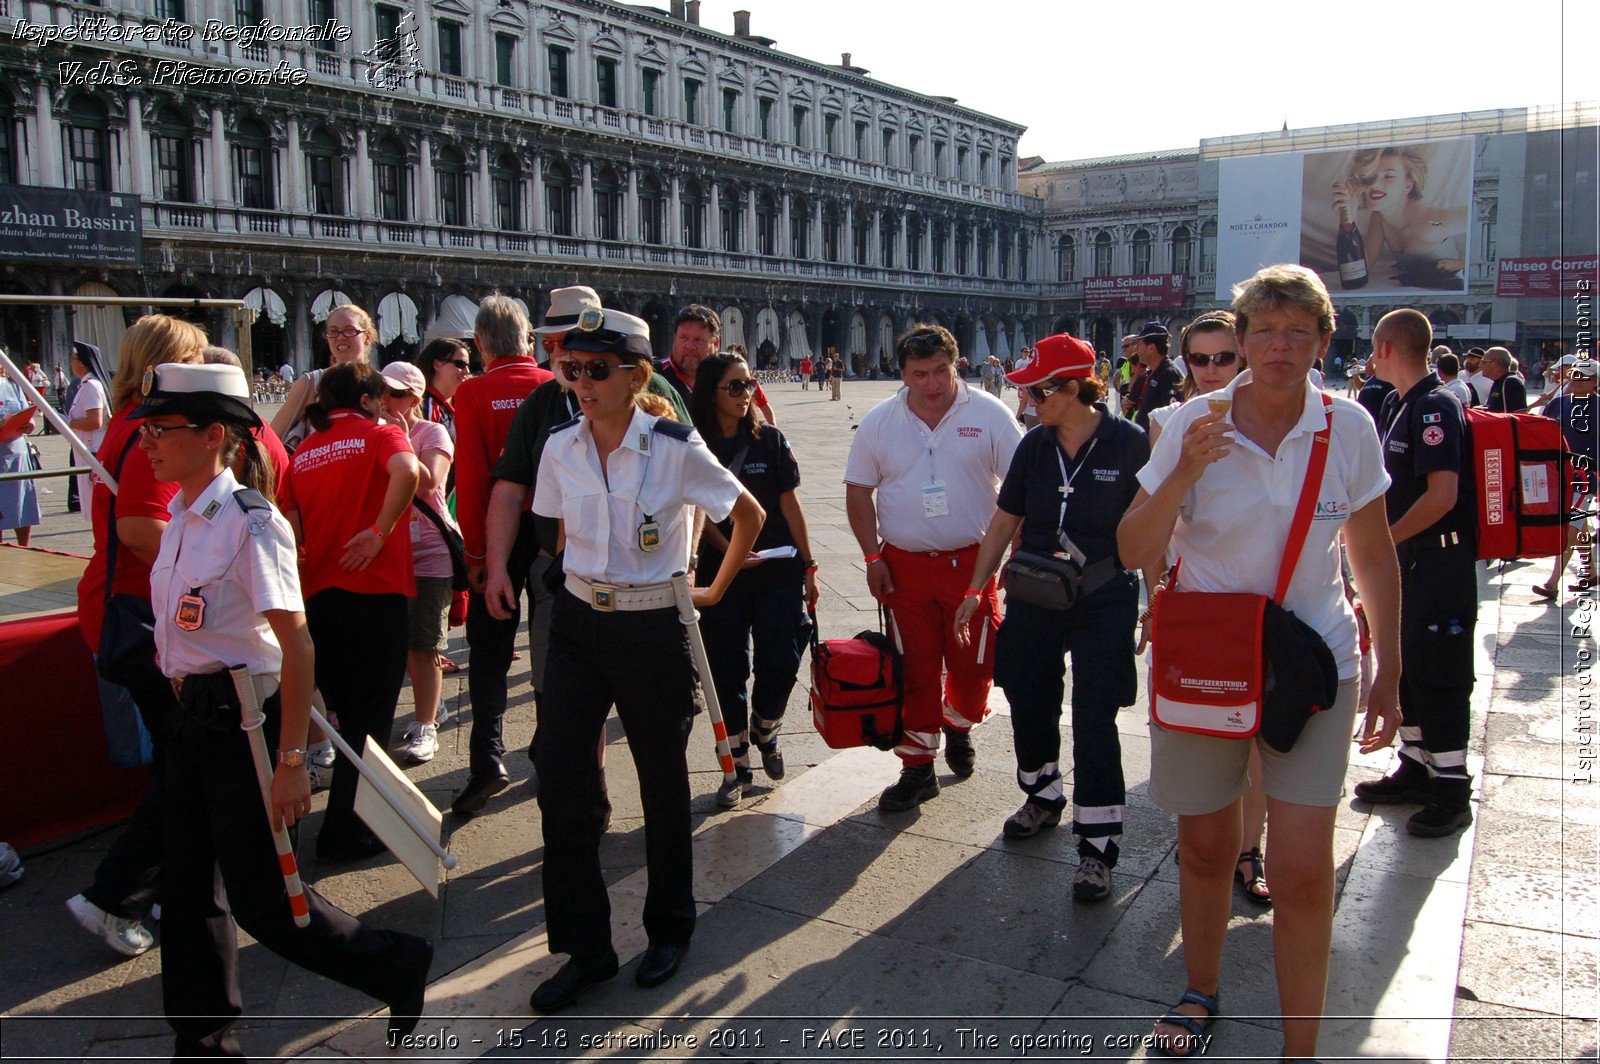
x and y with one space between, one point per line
674 225
875 239
632 231
363 182
715 226
428 209
221 165
751 242
49 163
785 247
847 239
299 329
139 149
294 171
484 210
586 219
541 224
816 231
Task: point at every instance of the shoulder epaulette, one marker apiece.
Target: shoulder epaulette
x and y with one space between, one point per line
251 501
676 429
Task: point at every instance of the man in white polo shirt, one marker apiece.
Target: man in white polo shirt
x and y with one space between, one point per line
920 487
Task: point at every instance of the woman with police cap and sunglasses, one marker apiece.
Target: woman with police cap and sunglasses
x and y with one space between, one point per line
1069 483
769 601
624 486
225 590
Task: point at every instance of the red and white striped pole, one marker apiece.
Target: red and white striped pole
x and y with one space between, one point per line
251 719
691 620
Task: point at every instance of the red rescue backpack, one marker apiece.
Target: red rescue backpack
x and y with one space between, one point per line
857 690
1524 476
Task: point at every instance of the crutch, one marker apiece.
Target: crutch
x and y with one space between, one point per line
376 782
691 620
251 719
56 420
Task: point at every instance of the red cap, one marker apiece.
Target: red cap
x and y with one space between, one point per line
1055 356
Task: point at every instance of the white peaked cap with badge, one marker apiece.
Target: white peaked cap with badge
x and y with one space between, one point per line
610 331
219 392
566 306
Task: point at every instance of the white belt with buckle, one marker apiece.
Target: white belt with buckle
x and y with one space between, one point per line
609 597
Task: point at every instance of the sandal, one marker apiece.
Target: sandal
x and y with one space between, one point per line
1255 884
1195 1025
446 665
1544 591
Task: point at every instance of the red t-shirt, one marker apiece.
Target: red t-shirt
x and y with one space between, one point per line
139 495
337 482
276 453
485 407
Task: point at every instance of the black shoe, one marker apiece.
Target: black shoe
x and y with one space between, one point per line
916 785
351 845
563 988
958 752
1439 818
771 759
479 789
659 964
1408 783
405 1009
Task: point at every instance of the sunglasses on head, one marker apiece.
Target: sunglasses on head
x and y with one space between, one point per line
596 369
1221 358
738 388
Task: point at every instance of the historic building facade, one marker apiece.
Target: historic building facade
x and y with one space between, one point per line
420 154
1156 215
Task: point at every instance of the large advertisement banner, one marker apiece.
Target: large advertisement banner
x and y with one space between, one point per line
1143 292
1549 276
64 225
1380 219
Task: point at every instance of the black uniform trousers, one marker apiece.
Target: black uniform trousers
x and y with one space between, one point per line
360 641
639 661
492 642
126 881
765 605
1030 666
219 840
1438 615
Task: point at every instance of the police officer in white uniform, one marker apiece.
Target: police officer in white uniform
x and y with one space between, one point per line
624 485
226 592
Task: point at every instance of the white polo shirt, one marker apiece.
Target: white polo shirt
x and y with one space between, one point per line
241 564
936 488
1235 521
656 474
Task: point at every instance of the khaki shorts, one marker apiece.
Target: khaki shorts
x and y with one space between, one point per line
425 614
1192 775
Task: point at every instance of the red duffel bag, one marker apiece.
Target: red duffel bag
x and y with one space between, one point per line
857 690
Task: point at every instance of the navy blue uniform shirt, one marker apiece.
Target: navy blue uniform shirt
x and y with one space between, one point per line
769 470
1160 388
1425 431
1104 475
1508 395
1372 395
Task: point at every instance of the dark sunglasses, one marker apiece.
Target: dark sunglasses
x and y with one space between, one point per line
738 388
597 369
1221 358
461 364
1040 394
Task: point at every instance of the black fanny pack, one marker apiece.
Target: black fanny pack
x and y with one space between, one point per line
1054 582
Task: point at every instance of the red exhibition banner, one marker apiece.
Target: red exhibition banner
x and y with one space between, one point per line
1143 292
1547 277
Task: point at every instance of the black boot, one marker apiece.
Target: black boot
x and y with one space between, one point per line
1449 809
958 752
916 785
1408 783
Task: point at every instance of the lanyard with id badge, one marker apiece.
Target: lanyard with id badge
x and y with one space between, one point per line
649 531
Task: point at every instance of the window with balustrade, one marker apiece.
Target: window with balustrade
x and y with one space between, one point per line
252 167
248 12
691 101
172 140
983 168
798 126
1066 259
608 190
390 181
692 209
913 152
506 178
832 232
451 186
830 134
985 244
800 228
888 230
505 60
941 243
88 145
1024 246
560 199
938 158
1102 254
320 13
650 91
450 59
1002 259
764 116
605 81
170 9
326 166
556 67
860 236
914 230
1208 247
1142 244
963 251
652 210
730 203
730 110
888 148
767 220
1182 250
861 140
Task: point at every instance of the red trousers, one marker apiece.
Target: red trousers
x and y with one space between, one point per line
946 683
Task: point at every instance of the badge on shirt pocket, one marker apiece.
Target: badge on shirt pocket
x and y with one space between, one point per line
649 534
191 612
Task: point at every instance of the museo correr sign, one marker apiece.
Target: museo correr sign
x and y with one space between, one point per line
64 225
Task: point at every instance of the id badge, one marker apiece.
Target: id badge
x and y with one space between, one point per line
191 613
935 499
649 535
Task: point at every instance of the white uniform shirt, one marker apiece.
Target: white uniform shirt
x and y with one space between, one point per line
1460 389
1479 384
242 565
91 395
1234 523
936 488
652 476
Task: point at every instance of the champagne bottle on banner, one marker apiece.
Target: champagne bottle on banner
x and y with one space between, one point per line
1351 251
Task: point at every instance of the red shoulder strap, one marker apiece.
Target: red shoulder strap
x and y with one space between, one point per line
1308 500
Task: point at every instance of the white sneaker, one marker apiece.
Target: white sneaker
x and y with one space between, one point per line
423 743
127 937
319 765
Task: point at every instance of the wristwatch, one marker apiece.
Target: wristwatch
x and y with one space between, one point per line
293 758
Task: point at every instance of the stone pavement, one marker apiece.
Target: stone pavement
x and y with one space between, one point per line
829 930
